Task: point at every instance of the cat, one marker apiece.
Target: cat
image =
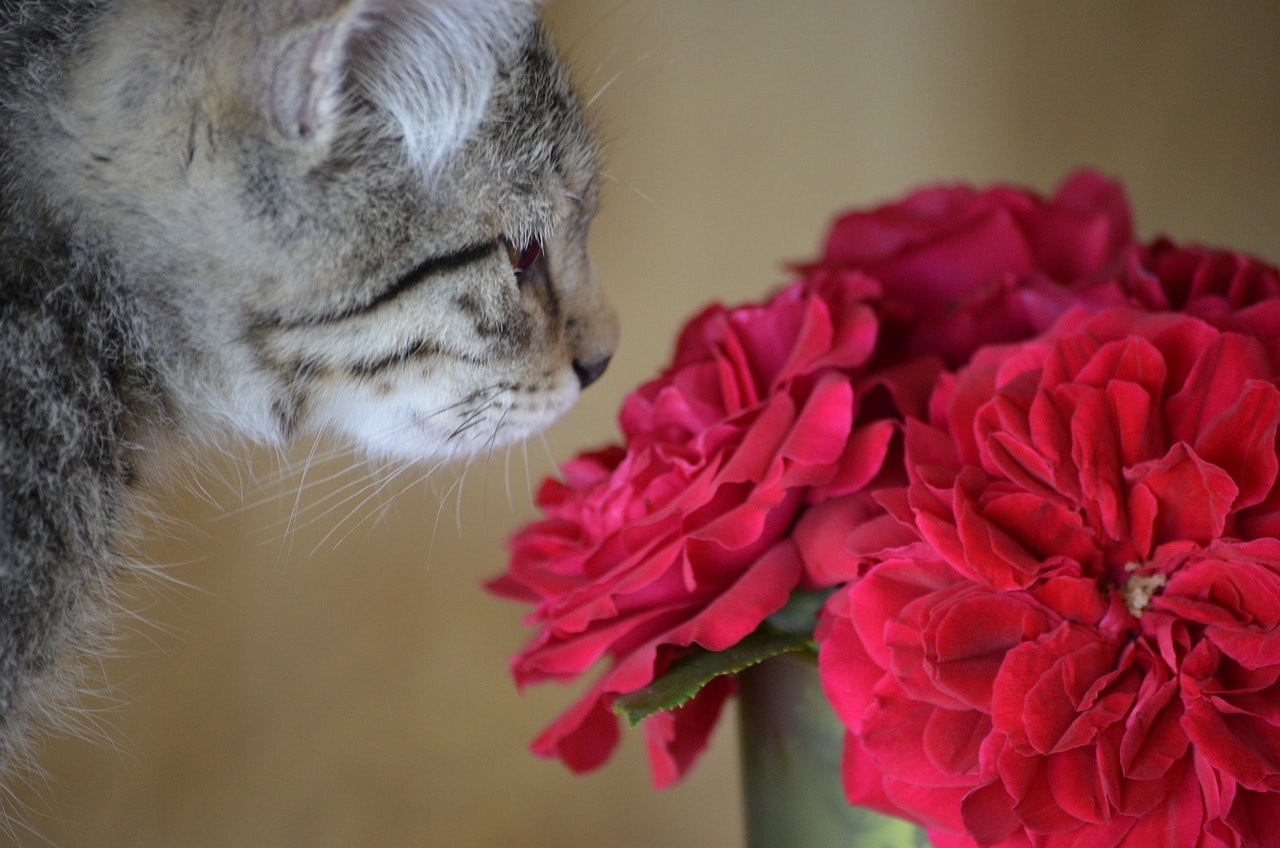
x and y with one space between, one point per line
267 218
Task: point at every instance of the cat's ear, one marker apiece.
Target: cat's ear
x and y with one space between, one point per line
429 65
301 63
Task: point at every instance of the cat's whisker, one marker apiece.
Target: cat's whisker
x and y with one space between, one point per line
634 189
605 61
292 481
350 473
528 473
286 541
577 53
153 575
486 394
546 447
146 516
430 479
356 522
195 481
575 50
413 482
600 92
349 519
506 477
458 499
369 486
289 486
456 485
488 455
473 418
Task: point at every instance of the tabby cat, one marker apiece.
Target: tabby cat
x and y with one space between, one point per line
267 217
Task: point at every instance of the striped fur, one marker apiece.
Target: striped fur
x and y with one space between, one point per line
268 217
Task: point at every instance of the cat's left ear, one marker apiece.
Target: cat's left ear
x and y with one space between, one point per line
429 65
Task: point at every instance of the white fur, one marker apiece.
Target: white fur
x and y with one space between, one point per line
424 420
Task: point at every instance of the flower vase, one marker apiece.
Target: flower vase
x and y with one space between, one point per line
791 744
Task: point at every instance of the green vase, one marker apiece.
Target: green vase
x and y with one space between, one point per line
791 744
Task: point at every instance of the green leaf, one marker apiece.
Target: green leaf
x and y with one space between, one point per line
689 674
789 630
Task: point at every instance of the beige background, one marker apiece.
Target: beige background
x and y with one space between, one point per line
349 688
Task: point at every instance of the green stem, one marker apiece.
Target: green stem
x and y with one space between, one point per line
791 744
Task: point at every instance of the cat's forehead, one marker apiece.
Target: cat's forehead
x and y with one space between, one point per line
532 162
528 164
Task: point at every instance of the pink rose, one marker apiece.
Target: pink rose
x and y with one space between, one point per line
962 268
680 539
1067 623
1164 275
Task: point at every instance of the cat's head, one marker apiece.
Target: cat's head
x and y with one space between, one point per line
368 216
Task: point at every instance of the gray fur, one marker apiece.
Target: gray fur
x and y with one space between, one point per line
266 217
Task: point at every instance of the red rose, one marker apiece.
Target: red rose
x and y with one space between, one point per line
962 268
1076 640
680 540
1164 275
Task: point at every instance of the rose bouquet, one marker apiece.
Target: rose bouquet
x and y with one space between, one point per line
1009 473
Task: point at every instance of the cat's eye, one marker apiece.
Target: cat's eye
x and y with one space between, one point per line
523 258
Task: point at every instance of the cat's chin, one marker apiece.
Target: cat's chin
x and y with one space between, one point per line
421 424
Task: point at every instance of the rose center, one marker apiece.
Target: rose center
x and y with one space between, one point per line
1139 589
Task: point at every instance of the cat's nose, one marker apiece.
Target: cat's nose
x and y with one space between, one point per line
589 372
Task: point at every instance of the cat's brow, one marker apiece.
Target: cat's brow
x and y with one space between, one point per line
418 274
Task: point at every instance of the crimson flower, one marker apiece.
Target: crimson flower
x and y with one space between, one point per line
962 267
681 539
1065 628
1203 281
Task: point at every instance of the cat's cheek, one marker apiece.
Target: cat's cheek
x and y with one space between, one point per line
533 408
443 416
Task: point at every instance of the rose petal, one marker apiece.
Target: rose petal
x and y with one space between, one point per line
675 738
1242 442
583 736
1192 498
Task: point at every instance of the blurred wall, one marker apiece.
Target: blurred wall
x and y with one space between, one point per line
332 674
